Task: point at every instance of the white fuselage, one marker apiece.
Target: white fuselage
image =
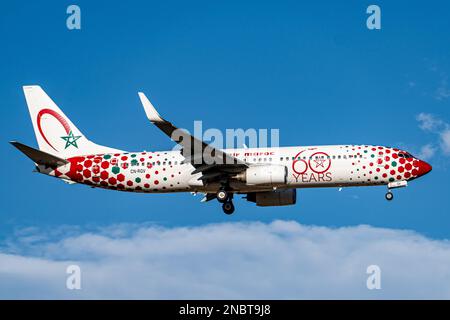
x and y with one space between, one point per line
306 167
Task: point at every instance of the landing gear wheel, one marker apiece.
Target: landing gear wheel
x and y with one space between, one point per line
228 207
389 196
222 195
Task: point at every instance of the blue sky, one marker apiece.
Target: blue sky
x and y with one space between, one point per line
312 70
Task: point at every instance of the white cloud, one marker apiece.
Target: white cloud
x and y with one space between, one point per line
443 91
445 141
428 122
427 151
431 123
254 260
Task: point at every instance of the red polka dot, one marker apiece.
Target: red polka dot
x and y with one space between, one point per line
416 163
394 155
79 167
105 165
147 176
146 185
87 173
401 169
408 166
142 159
104 175
124 158
402 160
156 172
112 180
388 151
407 175
399 177
120 177
371 164
96 169
392 172
96 179
387 158
129 183
415 172
378 169
156 182
386 166
88 163
384 175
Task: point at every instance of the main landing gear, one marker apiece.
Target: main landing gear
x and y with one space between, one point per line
226 199
228 207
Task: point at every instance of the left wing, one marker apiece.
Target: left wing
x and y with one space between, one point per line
213 163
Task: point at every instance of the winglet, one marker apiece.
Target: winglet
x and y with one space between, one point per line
150 110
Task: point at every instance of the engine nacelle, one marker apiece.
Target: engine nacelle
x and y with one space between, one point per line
273 198
270 175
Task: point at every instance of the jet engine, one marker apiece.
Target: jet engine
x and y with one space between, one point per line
269 175
273 198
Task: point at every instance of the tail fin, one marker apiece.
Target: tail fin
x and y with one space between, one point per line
54 131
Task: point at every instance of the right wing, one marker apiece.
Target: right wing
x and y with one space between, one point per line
212 162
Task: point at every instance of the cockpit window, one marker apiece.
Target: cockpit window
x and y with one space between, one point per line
405 155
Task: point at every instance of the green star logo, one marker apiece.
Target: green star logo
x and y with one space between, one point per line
71 140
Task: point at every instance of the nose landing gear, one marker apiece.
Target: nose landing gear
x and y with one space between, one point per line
389 196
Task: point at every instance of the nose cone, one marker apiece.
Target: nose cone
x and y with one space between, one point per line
423 168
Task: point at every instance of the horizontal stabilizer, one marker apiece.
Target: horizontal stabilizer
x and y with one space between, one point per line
39 157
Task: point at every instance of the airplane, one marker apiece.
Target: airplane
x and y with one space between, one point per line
266 176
